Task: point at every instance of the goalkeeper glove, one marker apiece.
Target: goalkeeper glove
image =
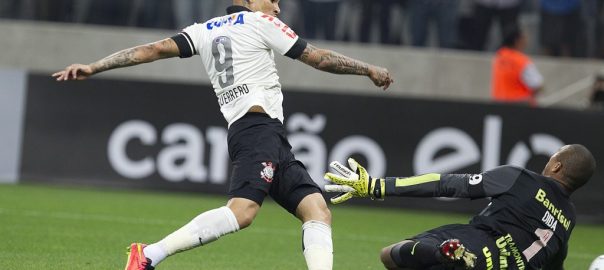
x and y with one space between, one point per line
353 182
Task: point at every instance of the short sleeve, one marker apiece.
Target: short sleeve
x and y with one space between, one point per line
279 37
188 41
531 76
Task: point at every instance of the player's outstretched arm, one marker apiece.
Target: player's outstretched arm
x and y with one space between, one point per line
333 62
165 48
356 182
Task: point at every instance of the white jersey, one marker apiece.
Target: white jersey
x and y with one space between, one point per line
237 53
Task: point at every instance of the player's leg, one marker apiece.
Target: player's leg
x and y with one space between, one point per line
247 190
240 211
205 228
293 189
299 194
316 232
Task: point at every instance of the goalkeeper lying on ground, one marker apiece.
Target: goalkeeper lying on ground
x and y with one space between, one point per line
527 225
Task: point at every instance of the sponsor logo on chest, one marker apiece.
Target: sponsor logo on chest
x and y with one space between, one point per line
234 19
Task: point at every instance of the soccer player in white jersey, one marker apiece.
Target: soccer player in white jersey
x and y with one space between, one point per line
237 51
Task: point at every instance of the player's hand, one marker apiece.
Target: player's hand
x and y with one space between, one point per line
353 182
74 72
380 77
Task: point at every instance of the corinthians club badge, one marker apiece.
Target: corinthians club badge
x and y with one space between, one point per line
268 172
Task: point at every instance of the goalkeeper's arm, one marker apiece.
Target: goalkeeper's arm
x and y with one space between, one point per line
487 184
357 183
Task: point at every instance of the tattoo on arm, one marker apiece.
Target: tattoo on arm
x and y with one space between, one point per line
333 62
137 55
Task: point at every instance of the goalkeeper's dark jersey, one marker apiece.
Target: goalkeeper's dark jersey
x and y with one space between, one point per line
530 216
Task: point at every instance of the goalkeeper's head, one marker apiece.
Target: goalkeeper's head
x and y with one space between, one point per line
571 166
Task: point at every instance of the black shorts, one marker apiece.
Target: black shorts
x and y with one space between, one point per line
481 243
263 163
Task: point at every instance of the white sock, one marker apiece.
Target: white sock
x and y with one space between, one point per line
318 248
156 253
202 230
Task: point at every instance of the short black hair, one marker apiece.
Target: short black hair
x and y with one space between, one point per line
510 36
578 165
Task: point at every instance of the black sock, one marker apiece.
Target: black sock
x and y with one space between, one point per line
416 255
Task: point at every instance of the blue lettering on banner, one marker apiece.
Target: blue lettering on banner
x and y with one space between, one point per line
227 20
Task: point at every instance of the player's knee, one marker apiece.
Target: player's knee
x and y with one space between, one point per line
393 250
319 213
323 214
245 219
245 216
313 207
327 214
245 211
385 257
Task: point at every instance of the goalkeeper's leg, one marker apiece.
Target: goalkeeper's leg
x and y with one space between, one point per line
425 253
410 254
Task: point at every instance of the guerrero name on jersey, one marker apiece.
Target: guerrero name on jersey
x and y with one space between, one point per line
237 51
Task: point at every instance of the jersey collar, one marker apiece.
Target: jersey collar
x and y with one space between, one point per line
236 9
562 188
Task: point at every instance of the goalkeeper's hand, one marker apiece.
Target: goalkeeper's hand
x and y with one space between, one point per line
353 182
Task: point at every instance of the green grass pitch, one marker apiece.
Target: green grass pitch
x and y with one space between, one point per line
75 228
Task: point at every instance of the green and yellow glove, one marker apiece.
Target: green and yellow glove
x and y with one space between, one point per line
353 182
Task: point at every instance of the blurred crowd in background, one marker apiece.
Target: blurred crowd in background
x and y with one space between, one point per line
569 28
